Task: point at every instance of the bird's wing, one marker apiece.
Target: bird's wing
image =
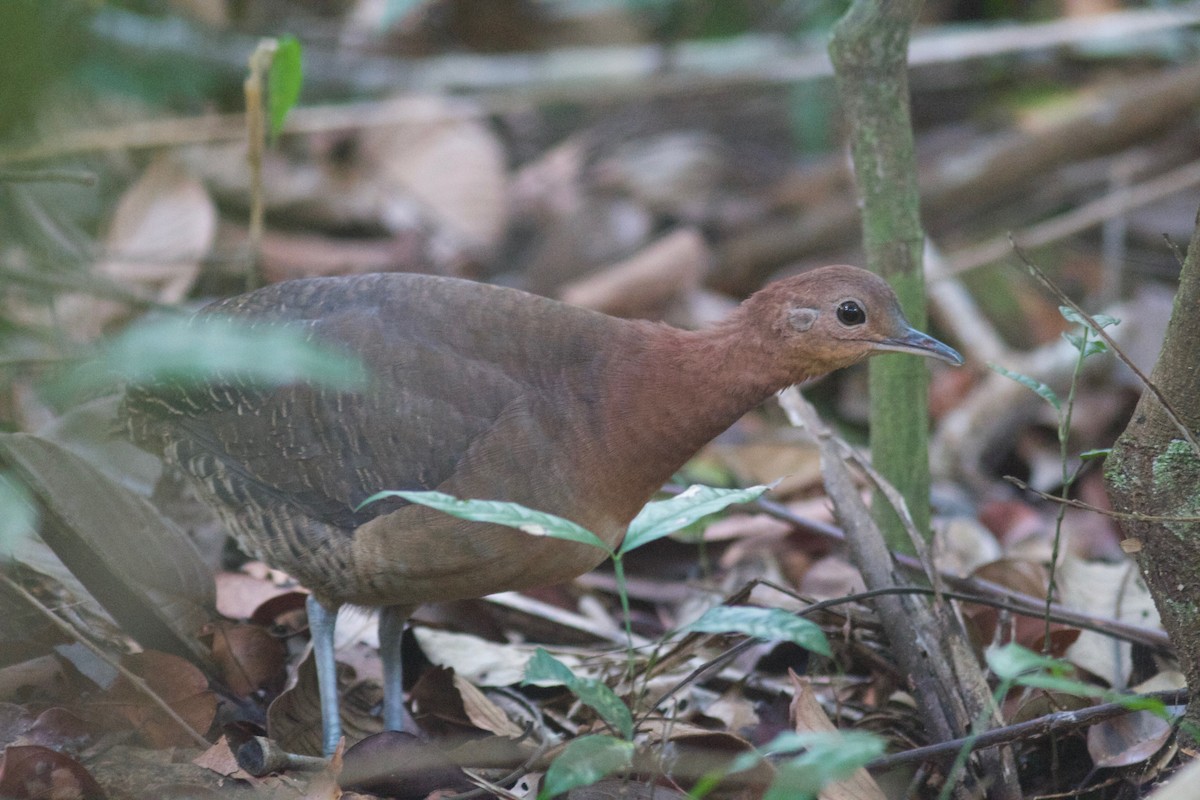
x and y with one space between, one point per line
444 360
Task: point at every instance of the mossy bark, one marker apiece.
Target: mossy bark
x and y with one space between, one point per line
869 50
1153 471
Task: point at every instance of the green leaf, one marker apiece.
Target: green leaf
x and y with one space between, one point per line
828 757
1093 455
498 512
1102 320
763 623
664 517
18 514
1087 345
544 667
204 350
1012 661
1042 390
283 82
584 761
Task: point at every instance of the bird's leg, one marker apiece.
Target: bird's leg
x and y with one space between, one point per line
321 622
391 630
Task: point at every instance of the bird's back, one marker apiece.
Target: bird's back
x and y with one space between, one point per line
448 361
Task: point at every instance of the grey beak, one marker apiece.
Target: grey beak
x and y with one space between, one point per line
921 344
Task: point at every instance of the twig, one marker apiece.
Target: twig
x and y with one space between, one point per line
1030 605
1167 408
1078 219
1058 722
256 141
1073 503
82 177
618 72
1003 604
927 640
136 681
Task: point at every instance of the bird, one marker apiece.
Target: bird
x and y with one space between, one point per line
481 392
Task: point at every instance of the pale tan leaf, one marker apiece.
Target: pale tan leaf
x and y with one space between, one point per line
483 713
1112 590
163 227
663 270
808 717
453 166
481 662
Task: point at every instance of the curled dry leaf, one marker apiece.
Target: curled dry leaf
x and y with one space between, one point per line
163 227
1128 739
249 657
178 683
294 717
444 701
220 759
60 729
483 713
807 716
30 771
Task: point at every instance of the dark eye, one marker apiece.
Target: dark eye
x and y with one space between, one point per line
851 313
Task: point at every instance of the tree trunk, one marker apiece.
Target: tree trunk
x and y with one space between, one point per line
1154 472
869 50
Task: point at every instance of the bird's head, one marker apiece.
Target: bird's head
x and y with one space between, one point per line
832 317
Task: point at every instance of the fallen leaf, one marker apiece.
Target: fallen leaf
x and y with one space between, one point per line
808 716
163 227
179 684
30 772
248 656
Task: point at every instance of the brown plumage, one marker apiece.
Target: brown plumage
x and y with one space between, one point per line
490 393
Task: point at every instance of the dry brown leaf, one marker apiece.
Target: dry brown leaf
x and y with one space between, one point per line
808 717
549 187
962 543
163 227
1027 577
239 594
249 657
483 713
733 709
795 465
294 717
178 683
39 772
1128 739
453 165
832 576
647 281
221 760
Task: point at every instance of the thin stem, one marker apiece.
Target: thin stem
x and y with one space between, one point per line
623 593
1064 432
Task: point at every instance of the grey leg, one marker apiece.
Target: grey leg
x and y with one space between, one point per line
391 628
321 622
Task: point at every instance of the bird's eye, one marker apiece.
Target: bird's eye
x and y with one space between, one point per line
851 313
